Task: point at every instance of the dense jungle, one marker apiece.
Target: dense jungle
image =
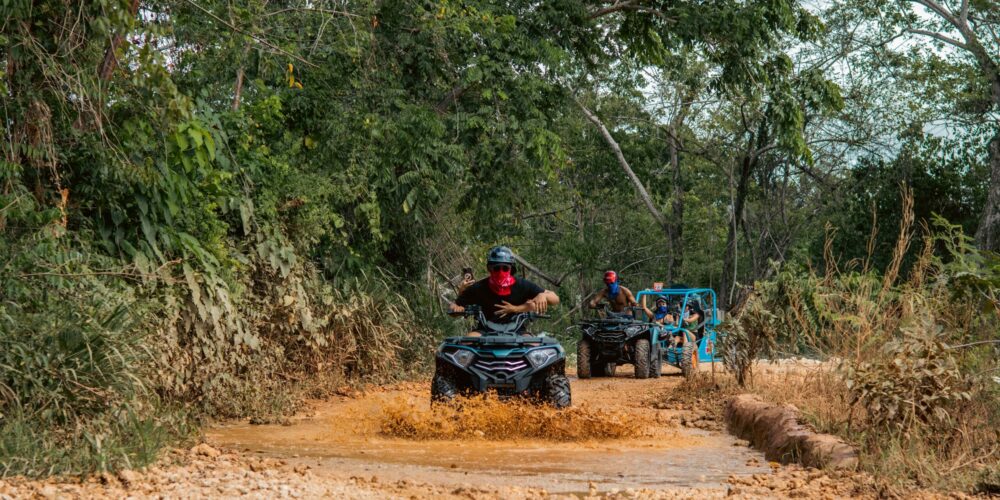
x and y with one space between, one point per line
223 210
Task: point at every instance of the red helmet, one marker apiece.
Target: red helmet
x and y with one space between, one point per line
610 277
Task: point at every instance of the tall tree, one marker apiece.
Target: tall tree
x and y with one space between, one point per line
965 46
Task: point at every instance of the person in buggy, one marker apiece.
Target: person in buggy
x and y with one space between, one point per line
501 295
618 296
661 315
693 320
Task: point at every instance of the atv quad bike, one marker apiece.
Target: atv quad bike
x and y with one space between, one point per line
615 339
686 345
503 360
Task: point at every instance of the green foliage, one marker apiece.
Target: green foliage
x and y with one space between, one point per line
913 381
258 200
748 338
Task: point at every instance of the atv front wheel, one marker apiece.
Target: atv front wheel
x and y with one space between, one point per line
642 358
557 392
689 358
443 389
583 358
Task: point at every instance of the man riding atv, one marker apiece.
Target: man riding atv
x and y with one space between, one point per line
501 294
618 296
500 355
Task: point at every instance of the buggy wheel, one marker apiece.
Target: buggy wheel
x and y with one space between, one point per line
642 358
689 358
443 388
557 391
583 358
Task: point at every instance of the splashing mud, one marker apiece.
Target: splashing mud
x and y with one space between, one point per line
487 417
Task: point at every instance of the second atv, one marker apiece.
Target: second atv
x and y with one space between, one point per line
503 360
617 338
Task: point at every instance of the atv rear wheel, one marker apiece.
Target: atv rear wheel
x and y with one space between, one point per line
443 388
583 358
656 368
557 391
689 358
641 358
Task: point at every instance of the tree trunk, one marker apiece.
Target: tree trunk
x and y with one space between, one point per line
728 281
110 61
988 233
675 228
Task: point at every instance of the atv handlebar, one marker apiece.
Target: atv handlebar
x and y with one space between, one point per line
473 311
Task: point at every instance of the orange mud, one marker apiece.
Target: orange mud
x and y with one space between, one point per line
488 417
612 438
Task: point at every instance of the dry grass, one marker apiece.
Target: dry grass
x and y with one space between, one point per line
487 417
963 456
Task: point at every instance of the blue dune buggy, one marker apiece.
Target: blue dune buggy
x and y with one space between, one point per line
617 338
503 360
682 343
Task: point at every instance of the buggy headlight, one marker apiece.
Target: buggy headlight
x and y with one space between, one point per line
463 357
539 357
632 330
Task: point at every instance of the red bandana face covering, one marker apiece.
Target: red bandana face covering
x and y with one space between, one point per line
500 282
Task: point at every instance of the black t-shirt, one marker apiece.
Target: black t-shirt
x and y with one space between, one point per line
479 293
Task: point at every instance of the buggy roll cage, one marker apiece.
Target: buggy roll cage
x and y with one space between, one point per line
688 293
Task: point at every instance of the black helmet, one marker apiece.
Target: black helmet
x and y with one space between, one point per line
500 255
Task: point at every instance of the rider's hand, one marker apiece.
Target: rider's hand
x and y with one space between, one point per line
540 303
505 308
466 283
455 308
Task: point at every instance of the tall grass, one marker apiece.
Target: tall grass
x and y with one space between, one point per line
914 352
100 367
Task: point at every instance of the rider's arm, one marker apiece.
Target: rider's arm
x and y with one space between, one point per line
465 297
629 297
541 302
649 314
597 298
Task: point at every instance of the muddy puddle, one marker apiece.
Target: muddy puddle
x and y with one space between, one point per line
347 437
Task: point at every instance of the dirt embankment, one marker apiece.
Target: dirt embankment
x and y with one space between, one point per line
778 431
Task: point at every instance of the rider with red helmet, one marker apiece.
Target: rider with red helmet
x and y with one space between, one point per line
618 296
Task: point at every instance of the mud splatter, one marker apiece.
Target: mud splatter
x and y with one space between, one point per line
487 417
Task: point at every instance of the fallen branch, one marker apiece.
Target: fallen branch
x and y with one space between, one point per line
640 188
527 265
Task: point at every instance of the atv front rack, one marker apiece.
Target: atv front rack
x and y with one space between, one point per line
504 340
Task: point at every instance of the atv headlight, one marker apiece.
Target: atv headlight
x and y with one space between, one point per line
539 357
463 357
634 329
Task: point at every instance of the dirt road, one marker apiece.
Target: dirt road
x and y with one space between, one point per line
362 446
341 438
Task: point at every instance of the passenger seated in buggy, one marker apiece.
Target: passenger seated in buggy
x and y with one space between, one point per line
662 314
694 321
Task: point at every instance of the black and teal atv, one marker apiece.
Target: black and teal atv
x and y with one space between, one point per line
503 360
616 339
